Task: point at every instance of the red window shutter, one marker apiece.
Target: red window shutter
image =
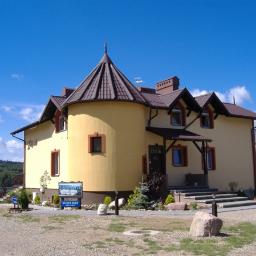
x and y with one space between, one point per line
103 143
185 155
57 121
211 119
183 113
89 144
213 159
52 163
144 164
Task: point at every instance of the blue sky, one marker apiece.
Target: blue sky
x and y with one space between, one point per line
46 45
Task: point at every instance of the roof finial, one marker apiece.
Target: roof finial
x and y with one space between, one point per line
234 100
105 48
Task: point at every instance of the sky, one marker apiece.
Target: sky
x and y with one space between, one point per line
46 45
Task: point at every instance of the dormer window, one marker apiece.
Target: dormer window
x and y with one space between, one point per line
207 119
60 122
178 116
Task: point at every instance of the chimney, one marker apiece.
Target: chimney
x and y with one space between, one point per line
167 86
66 92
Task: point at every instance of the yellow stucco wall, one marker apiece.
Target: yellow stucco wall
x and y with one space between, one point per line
123 124
120 167
38 157
231 138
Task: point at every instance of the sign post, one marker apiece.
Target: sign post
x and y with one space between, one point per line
70 194
14 201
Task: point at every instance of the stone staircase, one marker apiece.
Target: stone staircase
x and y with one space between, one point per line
204 196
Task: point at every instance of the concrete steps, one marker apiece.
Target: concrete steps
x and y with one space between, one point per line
222 200
204 196
209 196
237 204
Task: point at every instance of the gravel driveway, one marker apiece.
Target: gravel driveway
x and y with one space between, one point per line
48 231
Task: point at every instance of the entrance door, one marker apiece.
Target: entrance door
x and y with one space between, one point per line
156 159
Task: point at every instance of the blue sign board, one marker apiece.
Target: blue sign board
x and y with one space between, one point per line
65 203
71 189
14 200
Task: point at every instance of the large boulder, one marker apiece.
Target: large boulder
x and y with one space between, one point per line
179 206
102 209
121 202
205 224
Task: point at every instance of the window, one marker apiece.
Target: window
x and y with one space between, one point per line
179 156
178 116
207 119
96 143
211 161
55 163
60 122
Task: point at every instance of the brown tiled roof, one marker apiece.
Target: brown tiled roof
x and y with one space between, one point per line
177 134
213 99
58 100
168 100
106 82
203 99
238 111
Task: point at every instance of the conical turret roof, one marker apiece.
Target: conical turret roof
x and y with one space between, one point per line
106 82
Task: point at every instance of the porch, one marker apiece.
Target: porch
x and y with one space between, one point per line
170 137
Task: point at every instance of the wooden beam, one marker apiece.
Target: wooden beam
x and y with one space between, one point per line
170 146
197 146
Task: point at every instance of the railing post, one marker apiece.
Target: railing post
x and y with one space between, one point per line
116 204
214 207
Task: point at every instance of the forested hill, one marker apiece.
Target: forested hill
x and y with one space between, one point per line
11 167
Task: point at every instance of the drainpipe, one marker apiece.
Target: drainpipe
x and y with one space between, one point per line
24 161
253 152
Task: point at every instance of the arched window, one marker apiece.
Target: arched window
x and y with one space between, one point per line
207 118
178 115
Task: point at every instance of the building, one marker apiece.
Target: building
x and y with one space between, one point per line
108 134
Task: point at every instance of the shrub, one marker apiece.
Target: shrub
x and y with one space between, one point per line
169 199
23 199
156 182
193 205
37 200
233 186
56 199
139 199
107 200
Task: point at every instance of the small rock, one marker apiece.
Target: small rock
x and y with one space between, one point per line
102 209
45 203
121 202
205 224
179 206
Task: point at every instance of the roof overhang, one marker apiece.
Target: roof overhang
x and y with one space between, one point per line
188 99
177 134
216 104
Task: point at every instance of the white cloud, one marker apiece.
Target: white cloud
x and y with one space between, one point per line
197 92
29 113
17 76
240 93
6 108
11 150
138 80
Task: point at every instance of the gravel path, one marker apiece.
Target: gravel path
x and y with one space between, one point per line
48 231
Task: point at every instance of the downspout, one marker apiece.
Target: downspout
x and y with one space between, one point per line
253 152
24 161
